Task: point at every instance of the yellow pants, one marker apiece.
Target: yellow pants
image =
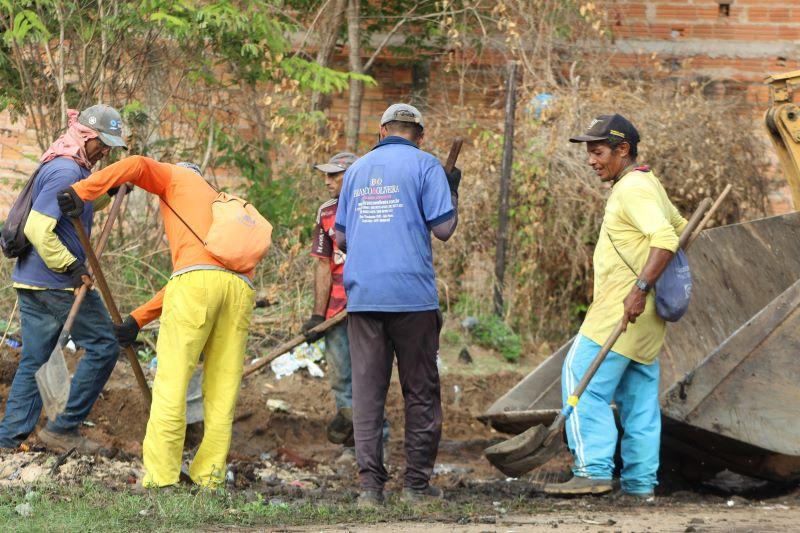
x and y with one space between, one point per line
205 311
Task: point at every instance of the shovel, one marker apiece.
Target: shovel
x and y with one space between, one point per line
538 444
52 378
102 284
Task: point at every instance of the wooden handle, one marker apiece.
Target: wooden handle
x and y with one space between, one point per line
293 343
101 246
452 157
112 307
710 214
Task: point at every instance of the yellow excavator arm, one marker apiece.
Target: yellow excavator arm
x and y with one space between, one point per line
783 124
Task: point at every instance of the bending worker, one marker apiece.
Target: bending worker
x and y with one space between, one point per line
638 238
329 300
45 277
204 308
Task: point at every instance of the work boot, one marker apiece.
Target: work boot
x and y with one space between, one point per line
428 494
340 429
578 486
369 499
64 442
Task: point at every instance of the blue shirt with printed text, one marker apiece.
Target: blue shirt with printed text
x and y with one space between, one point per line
53 177
390 199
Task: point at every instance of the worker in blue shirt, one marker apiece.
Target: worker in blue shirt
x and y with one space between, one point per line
392 199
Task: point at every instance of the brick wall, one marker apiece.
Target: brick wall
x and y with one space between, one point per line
741 41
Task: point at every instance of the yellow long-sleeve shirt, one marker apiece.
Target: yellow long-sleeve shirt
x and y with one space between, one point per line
638 216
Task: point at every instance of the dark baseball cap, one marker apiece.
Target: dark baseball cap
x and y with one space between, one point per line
107 122
606 127
338 163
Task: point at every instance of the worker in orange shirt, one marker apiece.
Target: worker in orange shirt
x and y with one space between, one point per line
204 308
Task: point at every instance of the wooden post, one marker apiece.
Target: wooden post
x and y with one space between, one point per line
505 186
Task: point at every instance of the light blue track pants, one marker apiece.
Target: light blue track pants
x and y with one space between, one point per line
591 430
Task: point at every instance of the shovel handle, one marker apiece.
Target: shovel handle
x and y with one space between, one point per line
101 246
696 222
112 307
293 343
452 157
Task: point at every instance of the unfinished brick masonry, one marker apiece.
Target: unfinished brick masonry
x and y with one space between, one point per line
741 41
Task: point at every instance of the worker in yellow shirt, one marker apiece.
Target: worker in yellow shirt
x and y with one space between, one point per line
205 308
638 238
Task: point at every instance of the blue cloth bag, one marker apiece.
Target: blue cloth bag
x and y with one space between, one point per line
674 288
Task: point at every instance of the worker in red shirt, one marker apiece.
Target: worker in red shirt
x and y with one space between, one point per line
329 300
204 308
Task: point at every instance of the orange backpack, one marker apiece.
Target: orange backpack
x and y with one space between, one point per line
239 237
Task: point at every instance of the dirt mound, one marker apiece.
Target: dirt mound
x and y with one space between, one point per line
119 418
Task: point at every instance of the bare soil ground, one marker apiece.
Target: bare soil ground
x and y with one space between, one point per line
284 457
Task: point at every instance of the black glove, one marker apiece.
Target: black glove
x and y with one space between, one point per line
127 331
311 323
69 202
112 192
76 271
454 180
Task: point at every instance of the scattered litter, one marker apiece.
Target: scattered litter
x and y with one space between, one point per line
442 469
464 356
730 503
278 406
13 343
487 520
24 509
469 322
304 356
539 104
88 423
71 346
456 395
145 512
229 476
153 364
609 522
265 456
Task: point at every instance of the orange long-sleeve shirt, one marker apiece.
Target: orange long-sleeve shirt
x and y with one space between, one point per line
185 192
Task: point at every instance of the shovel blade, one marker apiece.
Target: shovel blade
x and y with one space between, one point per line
194 398
518 446
524 452
53 382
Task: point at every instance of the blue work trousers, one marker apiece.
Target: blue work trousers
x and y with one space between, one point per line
340 373
43 313
591 430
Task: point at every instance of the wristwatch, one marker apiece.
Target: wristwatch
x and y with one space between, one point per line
642 285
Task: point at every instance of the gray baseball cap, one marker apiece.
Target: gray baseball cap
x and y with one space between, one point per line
107 122
402 113
338 163
191 166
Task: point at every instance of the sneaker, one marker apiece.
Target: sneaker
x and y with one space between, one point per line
64 442
429 493
340 429
369 499
578 486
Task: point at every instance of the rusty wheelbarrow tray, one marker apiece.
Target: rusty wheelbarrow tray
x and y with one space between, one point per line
730 382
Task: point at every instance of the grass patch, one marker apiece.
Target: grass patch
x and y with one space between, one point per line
492 332
93 508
